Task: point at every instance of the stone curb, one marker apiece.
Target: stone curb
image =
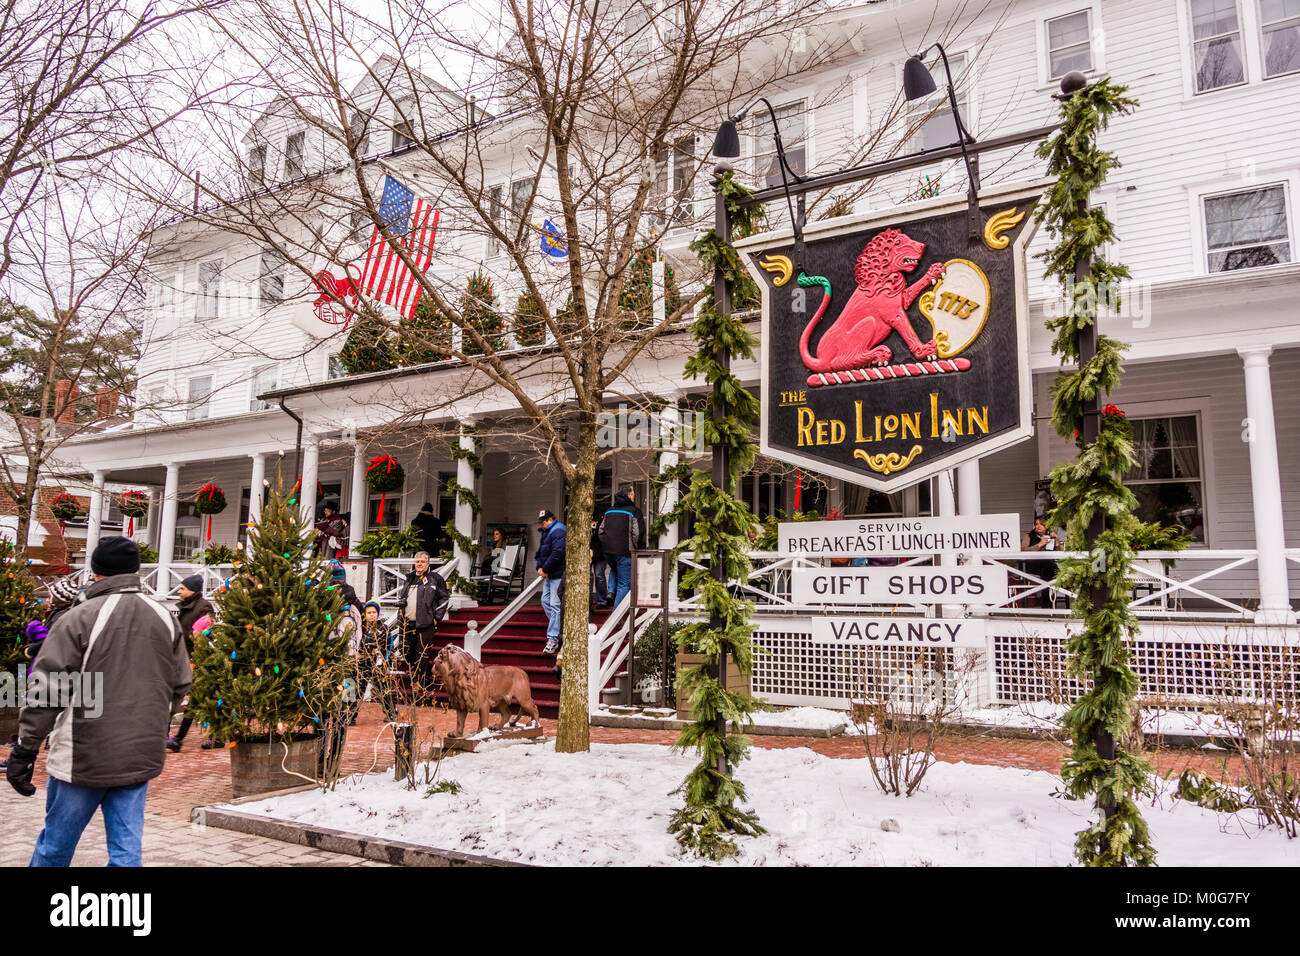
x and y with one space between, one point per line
670 723
393 852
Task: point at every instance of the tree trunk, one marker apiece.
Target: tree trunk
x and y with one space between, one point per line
25 509
574 734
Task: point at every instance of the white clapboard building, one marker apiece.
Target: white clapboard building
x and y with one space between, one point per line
1206 209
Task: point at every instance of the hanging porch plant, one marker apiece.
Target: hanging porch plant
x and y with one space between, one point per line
132 504
384 474
210 501
64 507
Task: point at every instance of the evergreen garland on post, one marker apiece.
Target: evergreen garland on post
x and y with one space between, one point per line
18 605
1093 502
478 309
456 581
711 817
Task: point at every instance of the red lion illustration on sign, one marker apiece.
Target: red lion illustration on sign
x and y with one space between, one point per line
877 307
328 308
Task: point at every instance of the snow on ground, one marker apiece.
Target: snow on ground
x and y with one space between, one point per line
795 718
1045 715
611 806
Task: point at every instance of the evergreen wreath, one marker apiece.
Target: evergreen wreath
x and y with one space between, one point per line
1093 487
210 500
133 504
384 474
65 507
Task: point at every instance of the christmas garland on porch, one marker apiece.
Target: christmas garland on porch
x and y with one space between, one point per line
457 581
711 817
1093 486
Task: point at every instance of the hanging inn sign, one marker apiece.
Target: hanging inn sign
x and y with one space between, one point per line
899 346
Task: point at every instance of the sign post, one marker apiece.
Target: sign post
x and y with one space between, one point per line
650 581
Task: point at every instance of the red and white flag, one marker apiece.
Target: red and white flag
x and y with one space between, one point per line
385 276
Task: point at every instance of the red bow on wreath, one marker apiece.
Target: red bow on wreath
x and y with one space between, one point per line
1112 410
389 479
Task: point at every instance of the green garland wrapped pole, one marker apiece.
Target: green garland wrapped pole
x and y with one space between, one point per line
1094 504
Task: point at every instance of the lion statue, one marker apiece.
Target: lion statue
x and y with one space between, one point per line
472 687
877 307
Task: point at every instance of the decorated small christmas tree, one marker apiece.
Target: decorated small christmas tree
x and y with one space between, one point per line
271 667
638 297
426 335
478 306
17 606
529 326
369 346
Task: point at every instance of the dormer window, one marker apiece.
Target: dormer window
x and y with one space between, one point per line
358 133
257 167
403 123
294 145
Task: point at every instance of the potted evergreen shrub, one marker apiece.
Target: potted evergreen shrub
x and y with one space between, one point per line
269 675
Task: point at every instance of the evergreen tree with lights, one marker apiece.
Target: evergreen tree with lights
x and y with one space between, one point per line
369 347
272 667
479 309
529 325
17 606
638 296
426 335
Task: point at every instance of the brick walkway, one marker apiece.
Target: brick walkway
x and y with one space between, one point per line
197 777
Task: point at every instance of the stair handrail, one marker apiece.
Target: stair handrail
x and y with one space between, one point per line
509 611
621 648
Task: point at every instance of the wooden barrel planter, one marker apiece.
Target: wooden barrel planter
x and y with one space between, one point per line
8 723
260 766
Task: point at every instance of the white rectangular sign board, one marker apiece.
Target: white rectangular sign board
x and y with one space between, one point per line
900 631
987 534
967 584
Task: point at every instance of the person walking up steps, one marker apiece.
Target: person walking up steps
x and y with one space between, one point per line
103 752
550 568
621 532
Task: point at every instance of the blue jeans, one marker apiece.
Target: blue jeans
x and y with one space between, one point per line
620 576
68 808
551 605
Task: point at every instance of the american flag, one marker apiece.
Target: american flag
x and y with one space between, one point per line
385 276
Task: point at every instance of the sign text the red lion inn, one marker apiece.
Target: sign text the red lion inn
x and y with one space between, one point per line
899 346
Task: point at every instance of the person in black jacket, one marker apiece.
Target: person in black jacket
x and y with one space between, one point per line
429 527
621 532
193 605
550 568
424 600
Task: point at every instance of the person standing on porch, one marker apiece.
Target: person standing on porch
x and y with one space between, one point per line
621 532
103 752
331 532
550 568
429 527
424 601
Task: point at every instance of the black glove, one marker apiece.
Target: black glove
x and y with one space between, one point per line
19 771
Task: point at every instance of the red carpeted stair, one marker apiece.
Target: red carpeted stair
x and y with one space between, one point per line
518 643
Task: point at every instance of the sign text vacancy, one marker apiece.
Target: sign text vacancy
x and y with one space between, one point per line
900 631
987 534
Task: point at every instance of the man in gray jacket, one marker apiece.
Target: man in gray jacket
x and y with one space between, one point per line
112 672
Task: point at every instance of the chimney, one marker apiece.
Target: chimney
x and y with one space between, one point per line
65 399
106 400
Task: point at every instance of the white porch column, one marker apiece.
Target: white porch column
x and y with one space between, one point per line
978 679
310 476
671 433
360 513
945 506
464 513
96 513
167 529
1265 489
256 482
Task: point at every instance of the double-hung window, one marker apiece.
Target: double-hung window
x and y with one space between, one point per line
198 404
404 122
1279 24
209 306
1216 44
257 167
1247 229
497 211
1167 479
1069 44
265 379
271 278
792 121
358 130
294 145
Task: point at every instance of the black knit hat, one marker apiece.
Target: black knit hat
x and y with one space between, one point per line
194 582
115 555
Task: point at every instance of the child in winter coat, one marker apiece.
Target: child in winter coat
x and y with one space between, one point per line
63 594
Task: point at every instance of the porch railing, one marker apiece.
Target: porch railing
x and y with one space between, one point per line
474 640
389 574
